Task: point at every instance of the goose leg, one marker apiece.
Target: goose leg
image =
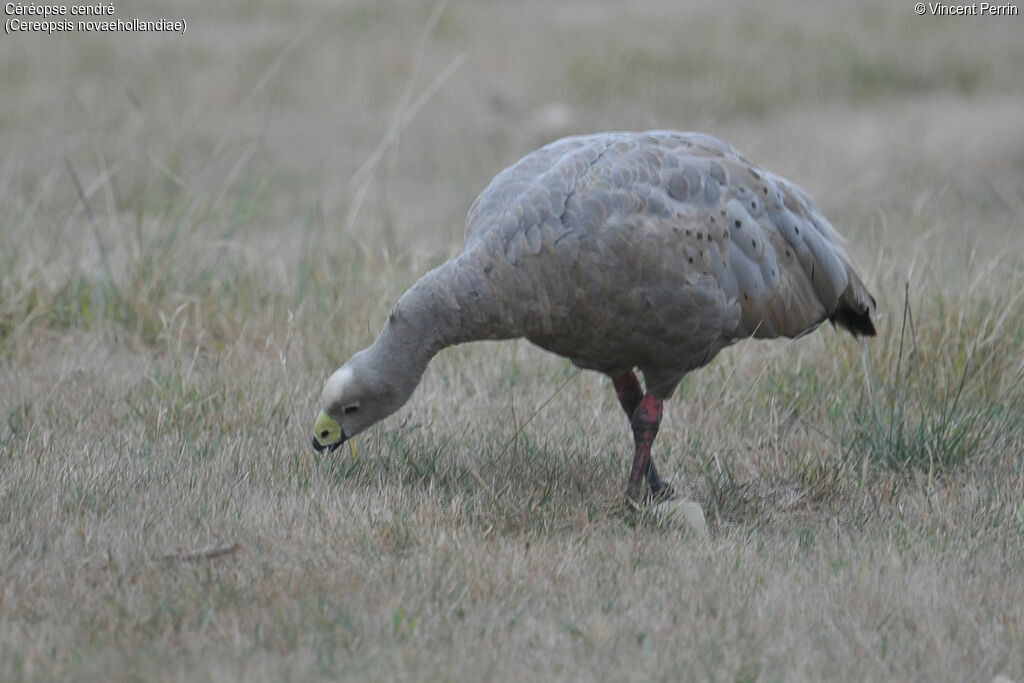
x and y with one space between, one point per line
645 424
627 388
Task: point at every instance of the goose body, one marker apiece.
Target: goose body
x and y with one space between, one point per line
619 251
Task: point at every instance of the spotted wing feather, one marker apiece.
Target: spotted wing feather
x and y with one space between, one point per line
655 250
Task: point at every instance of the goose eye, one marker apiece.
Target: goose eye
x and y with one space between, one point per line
348 410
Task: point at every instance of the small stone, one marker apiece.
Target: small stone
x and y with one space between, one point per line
685 514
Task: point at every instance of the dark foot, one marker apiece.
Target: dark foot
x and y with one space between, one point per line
638 495
660 489
662 493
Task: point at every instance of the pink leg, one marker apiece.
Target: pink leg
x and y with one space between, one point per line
645 417
627 388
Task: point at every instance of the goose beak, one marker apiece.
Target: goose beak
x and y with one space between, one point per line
327 433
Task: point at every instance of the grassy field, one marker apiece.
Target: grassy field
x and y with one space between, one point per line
195 230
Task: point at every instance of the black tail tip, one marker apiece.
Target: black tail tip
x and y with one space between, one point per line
859 324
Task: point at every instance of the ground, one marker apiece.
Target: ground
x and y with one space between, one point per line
196 229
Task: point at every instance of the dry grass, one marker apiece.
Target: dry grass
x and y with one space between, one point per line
166 325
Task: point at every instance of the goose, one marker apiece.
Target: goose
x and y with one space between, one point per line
620 251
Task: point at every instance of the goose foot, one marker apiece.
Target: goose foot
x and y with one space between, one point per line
638 495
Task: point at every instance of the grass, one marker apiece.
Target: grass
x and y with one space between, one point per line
179 272
952 400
